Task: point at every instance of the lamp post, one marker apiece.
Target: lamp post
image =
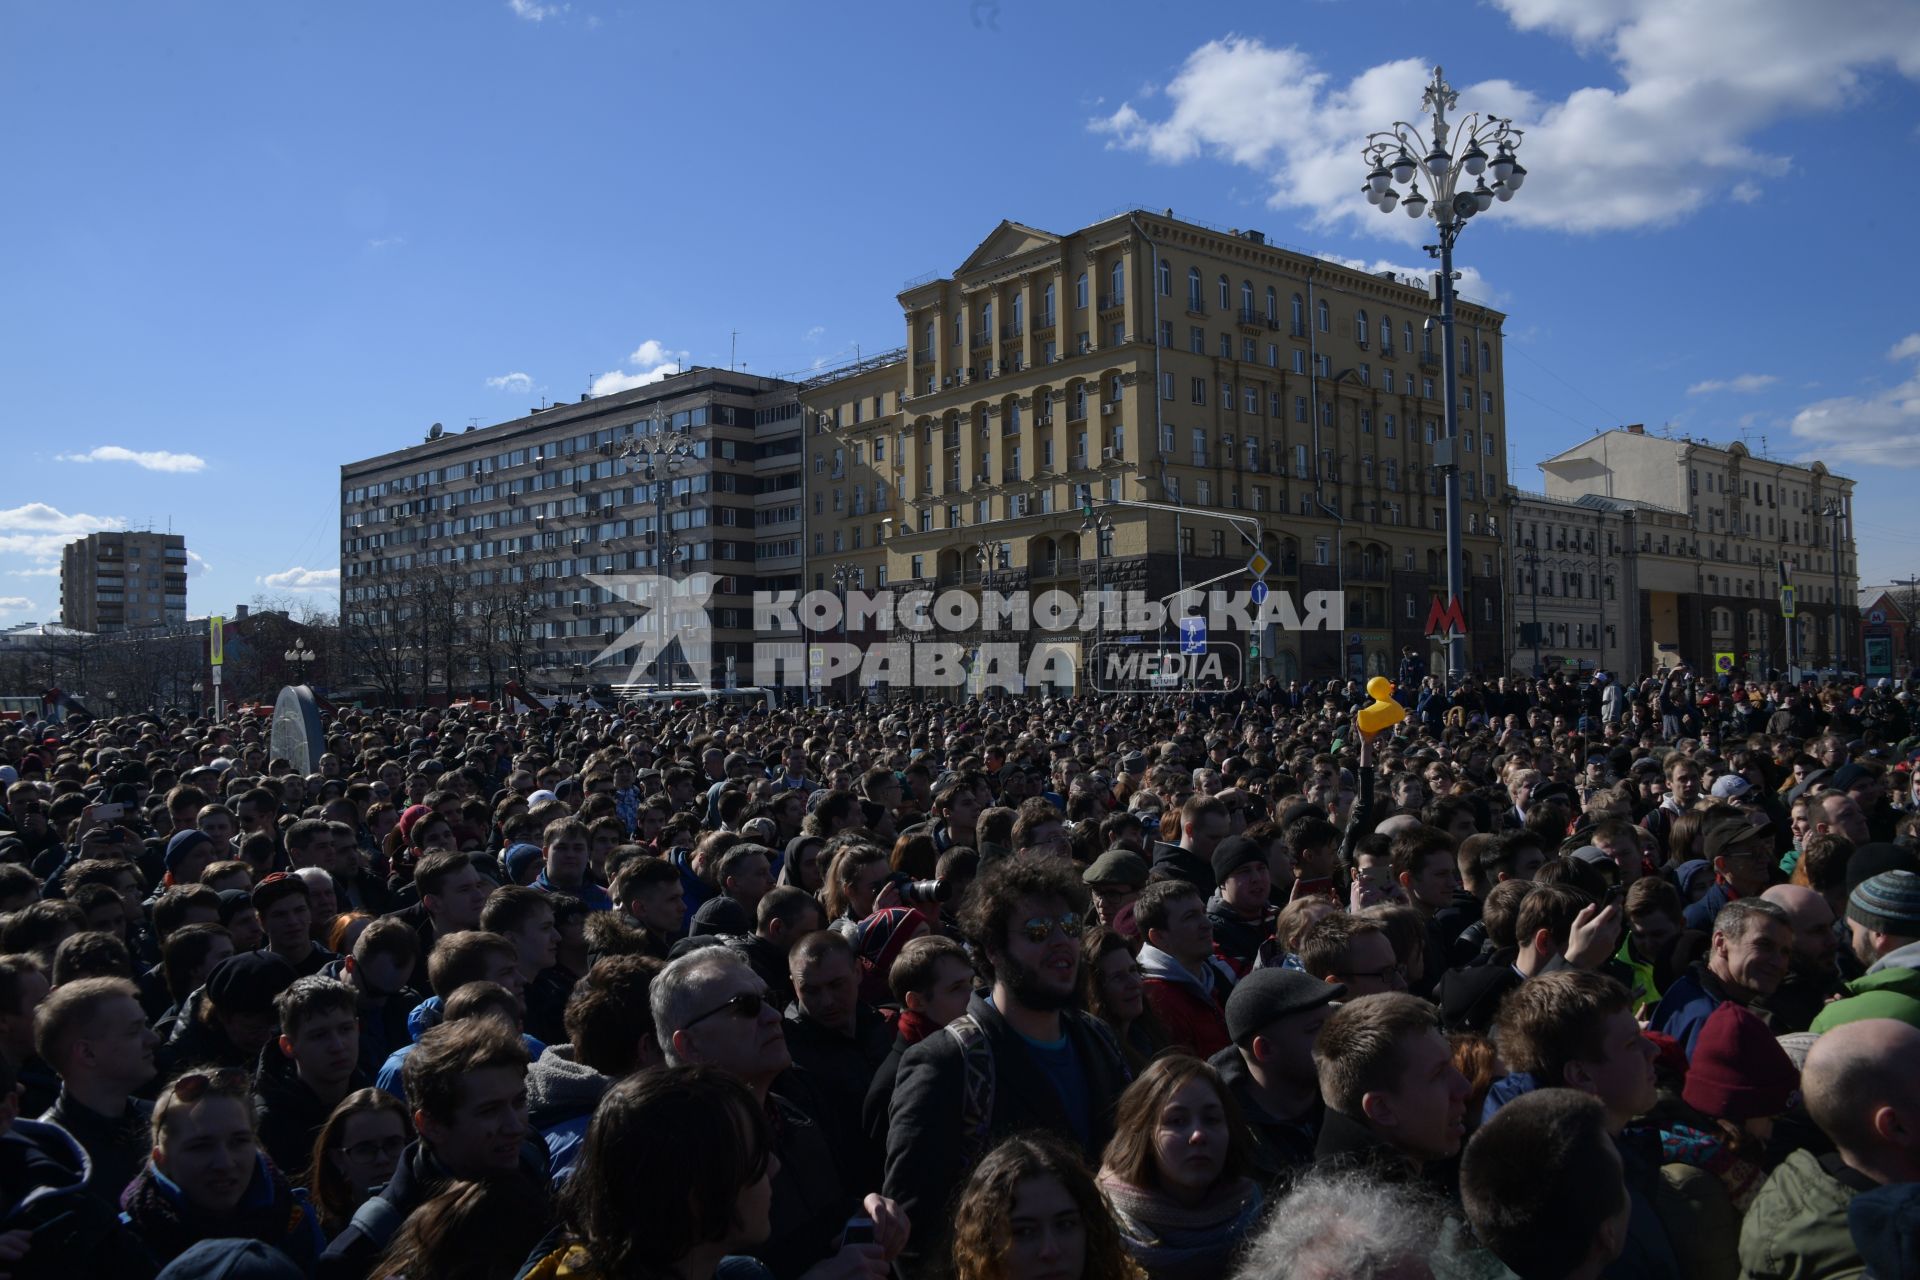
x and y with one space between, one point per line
1101 527
1391 154
1833 511
299 655
989 552
1533 578
845 576
662 454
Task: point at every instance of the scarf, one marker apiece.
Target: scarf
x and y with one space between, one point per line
160 1214
914 1027
1177 1242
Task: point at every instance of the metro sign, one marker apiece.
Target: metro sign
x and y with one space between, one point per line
1448 621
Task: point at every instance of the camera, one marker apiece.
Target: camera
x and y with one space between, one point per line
913 892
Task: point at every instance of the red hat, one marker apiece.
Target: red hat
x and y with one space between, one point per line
411 819
1739 1071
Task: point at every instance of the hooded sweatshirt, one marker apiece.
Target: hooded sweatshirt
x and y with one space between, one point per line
1889 989
561 1095
1190 1007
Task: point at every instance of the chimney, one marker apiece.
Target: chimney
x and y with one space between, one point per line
1637 429
239 612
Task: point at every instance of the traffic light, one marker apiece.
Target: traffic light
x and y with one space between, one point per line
1086 511
1253 647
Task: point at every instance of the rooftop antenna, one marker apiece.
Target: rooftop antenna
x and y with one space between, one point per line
733 351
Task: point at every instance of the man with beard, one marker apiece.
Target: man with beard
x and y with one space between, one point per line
1021 1058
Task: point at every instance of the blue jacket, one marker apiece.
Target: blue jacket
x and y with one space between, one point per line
1700 915
596 898
1687 1004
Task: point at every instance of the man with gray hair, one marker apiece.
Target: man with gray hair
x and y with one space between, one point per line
1752 947
710 1007
1348 1227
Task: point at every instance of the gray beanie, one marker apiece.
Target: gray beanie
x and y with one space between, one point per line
1888 903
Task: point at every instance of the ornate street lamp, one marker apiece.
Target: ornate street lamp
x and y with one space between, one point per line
1398 157
662 455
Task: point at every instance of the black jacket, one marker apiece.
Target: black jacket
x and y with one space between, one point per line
811 1204
1281 1147
1469 998
291 1113
382 1029
928 1154
839 1069
116 1147
417 1179
1347 1146
422 924
1177 862
197 1043
44 1174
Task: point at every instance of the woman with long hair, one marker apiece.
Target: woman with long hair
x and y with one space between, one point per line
628 1219
1117 996
855 879
1175 1171
473 1230
1031 1210
355 1153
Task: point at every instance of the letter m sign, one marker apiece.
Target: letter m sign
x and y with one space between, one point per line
1447 621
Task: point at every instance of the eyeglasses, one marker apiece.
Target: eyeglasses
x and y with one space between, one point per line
376 1149
1040 928
745 1005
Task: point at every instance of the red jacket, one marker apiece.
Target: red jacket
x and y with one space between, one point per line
1192 1013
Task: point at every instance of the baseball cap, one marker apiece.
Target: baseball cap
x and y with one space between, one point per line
1731 786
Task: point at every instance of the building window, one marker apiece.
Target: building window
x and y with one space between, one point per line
1166 278
1299 317
1080 291
1117 282
1225 289
1361 329
1193 289
1323 316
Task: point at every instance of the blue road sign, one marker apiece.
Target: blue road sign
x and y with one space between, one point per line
1259 592
1193 635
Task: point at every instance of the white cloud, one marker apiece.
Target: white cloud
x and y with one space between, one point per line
146 460
816 333
15 604
1743 382
39 531
387 242
1471 284
1695 81
49 571
197 565
1745 192
652 361
302 579
518 383
533 11
1882 429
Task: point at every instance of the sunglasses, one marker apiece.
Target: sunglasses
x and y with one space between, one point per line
745 1005
1040 928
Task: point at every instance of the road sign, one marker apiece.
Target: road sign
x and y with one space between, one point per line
1259 564
1193 635
1789 601
216 638
1259 592
1449 620
1723 663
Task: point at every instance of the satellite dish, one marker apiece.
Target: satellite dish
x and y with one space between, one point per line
433 432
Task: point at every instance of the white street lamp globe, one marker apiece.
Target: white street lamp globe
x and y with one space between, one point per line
1517 177
1415 204
1502 166
1403 166
1388 199
1437 161
1378 179
1475 160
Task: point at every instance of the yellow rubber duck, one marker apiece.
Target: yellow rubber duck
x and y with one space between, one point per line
1384 713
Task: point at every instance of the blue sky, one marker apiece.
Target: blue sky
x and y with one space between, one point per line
250 242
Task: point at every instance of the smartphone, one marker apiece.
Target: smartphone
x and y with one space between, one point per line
858 1231
1321 887
108 812
1616 896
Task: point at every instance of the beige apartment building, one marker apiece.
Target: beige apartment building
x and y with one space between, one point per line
469 553
121 581
1712 587
1156 360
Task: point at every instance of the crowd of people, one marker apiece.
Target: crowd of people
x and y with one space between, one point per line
1566 978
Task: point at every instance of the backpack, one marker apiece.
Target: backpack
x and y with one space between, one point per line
978 1080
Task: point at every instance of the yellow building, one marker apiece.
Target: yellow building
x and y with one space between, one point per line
1156 360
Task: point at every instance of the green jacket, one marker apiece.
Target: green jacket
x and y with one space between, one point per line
1890 989
1796 1228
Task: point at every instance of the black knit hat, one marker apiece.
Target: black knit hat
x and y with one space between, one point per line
1234 853
248 982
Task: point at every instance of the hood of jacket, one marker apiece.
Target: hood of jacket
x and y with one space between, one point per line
561 1089
1905 960
1157 964
1505 1090
425 1016
40 1159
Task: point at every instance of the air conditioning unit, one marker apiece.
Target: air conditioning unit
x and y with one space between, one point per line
1109 455
1106 410
540 464
606 450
